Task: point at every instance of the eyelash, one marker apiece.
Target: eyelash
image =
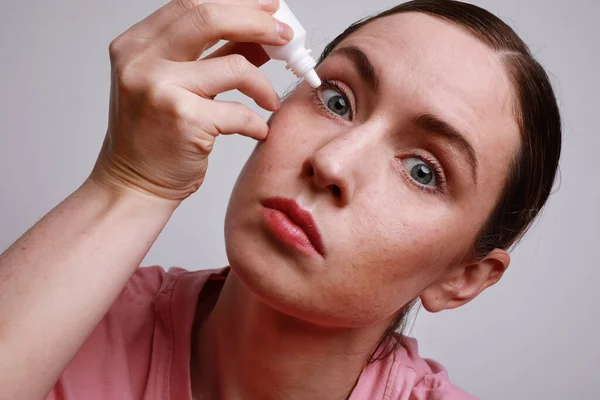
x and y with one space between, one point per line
332 85
437 169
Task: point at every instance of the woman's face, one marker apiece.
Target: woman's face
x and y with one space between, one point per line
400 157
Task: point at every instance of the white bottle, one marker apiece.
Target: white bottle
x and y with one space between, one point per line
297 57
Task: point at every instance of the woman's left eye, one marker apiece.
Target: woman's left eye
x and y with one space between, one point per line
420 171
336 103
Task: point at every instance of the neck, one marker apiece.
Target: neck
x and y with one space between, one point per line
244 349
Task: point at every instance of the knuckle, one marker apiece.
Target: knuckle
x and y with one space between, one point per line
205 15
155 96
138 75
186 4
115 49
180 110
238 64
247 116
129 75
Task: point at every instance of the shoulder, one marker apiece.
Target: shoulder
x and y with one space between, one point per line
149 282
432 381
138 338
146 281
404 374
431 378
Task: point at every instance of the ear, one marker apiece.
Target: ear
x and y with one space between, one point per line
463 283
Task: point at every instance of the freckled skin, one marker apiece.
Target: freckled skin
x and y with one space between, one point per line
387 242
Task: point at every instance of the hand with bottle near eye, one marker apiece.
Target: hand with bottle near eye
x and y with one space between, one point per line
163 117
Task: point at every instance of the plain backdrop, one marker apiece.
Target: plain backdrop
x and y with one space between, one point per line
533 336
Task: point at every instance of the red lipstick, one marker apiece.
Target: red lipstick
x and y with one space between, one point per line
293 225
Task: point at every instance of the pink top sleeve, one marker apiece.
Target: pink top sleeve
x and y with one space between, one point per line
114 362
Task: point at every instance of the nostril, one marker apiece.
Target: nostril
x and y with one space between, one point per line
309 171
337 192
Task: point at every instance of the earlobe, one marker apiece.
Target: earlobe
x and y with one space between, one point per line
436 297
463 283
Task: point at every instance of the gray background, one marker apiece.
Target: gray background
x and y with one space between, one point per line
533 336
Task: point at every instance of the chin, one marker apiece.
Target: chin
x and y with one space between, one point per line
281 278
250 259
268 272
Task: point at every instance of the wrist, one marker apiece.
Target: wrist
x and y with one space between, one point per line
116 193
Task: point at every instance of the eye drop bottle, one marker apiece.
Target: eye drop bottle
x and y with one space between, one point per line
296 56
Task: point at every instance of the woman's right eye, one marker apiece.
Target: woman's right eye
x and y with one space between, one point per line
336 102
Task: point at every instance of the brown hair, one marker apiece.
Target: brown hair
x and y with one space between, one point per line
534 168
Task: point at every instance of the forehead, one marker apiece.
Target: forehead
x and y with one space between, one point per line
426 64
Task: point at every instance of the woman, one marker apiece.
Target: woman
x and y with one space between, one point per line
408 175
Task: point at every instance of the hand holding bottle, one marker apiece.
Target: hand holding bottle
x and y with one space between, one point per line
163 124
163 116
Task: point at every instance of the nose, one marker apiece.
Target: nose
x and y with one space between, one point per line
343 165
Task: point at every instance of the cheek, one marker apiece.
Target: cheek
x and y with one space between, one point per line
288 143
386 247
277 162
408 229
282 151
294 131
387 259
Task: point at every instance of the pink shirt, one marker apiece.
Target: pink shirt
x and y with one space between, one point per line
141 350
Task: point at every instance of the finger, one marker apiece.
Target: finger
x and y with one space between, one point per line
230 117
251 51
175 9
188 37
208 78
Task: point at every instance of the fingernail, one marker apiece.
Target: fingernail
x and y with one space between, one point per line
285 31
277 102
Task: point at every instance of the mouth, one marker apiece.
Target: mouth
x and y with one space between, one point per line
293 225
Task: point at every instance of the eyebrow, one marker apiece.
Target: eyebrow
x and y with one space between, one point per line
361 63
428 122
439 127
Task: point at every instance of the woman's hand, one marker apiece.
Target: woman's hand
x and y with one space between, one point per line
163 123
163 116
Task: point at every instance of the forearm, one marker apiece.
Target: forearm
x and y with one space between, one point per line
60 278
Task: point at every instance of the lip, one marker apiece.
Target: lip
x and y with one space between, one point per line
293 225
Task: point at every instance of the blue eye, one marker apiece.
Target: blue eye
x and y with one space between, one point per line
336 102
420 171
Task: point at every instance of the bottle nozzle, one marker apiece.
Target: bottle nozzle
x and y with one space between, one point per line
303 66
312 78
